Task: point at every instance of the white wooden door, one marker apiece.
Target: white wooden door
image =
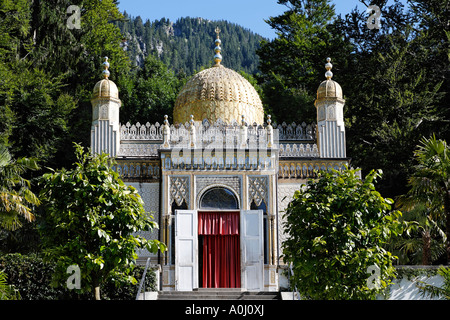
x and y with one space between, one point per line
252 254
186 250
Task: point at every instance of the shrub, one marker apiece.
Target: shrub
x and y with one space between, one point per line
32 277
337 227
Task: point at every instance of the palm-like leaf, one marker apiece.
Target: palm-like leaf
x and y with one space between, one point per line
432 291
16 198
423 205
433 171
430 184
7 292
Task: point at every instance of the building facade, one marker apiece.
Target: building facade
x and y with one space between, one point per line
218 179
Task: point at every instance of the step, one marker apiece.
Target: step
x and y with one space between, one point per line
218 294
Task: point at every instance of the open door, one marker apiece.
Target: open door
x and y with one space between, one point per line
252 254
186 250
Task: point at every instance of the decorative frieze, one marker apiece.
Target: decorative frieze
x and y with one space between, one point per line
138 170
300 150
141 132
306 169
211 159
295 132
139 150
180 133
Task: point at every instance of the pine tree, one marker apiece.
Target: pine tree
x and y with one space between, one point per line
292 63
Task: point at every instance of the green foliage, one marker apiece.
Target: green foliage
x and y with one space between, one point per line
392 108
151 94
91 220
392 78
337 226
423 241
32 276
47 73
292 63
16 198
7 291
33 108
424 205
39 110
432 291
431 180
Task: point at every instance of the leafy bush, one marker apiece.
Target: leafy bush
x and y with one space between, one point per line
91 220
32 277
337 227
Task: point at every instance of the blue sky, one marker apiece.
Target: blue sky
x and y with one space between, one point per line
247 13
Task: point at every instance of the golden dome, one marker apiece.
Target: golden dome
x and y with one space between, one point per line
329 88
218 93
105 88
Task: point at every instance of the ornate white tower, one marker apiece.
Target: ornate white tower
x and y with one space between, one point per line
105 130
330 117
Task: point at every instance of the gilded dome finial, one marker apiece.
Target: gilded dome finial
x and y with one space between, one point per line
105 72
328 66
217 49
329 88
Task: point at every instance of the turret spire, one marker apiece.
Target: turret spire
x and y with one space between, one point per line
217 49
328 66
105 72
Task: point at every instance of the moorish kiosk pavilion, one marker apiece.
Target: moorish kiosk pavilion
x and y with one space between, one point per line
218 179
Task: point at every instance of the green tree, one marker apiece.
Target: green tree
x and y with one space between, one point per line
48 71
152 94
33 108
434 29
91 220
392 78
431 178
394 104
291 65
16 198
337 227
188 43
423 241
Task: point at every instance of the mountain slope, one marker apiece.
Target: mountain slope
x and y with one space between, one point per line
187 45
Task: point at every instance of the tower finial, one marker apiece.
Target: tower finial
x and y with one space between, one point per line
105 72
328 66
217 49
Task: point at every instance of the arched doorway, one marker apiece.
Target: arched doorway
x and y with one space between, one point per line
219 239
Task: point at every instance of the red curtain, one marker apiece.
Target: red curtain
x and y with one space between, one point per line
221 250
